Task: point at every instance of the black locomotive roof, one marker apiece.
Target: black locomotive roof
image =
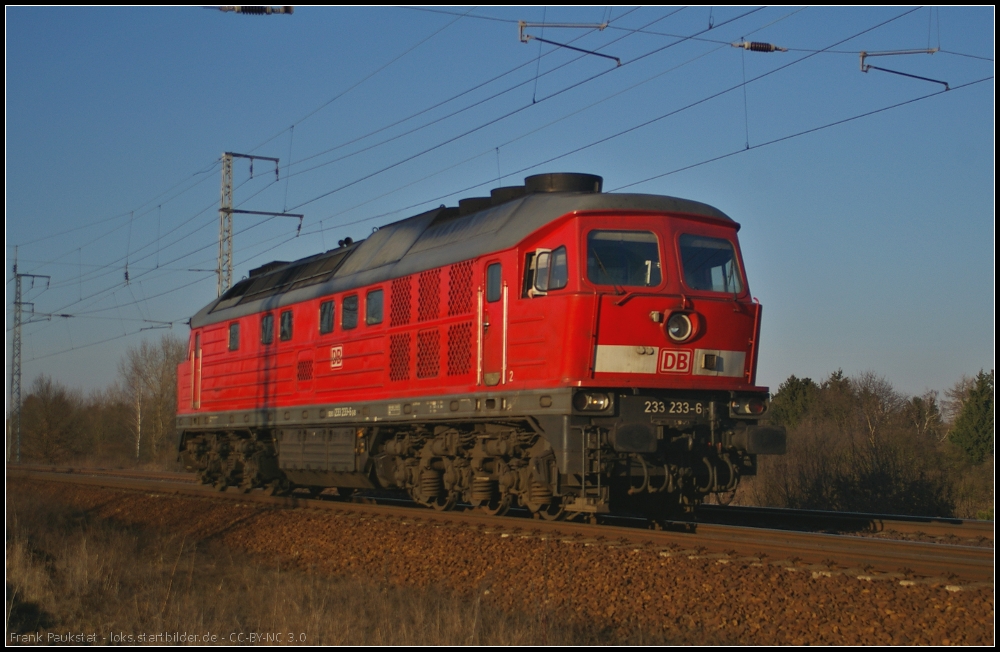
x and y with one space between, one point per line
433 239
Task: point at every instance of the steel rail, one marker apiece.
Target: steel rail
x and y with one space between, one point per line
800 519
914 560
174 476
748 516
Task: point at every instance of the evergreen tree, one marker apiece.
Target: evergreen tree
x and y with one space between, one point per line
973 431
792 401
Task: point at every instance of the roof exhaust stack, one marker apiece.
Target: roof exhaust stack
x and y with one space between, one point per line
564 182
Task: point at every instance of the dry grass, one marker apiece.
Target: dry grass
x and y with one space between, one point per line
69 573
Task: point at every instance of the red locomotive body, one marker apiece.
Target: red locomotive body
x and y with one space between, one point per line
555 346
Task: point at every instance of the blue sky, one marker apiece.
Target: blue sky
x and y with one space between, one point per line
869 242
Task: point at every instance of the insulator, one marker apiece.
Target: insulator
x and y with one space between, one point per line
254 10
483 489
430 484
757 46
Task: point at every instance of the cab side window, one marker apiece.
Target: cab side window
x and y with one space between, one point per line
546 270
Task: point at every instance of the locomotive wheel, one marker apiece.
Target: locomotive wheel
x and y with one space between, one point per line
445 503
497 506
550 511
343 495
276 488
554 511
248 483
221 484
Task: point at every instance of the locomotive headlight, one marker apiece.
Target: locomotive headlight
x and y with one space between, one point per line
679 327
591 401
750 407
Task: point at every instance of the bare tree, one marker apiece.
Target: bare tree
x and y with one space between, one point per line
878 403
924 414
148 383
49 425
105 419
955 398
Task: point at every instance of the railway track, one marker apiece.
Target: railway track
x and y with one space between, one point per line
947 530
819 553
171 476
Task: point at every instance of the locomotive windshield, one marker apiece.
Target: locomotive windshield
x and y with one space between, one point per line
710 264
623 258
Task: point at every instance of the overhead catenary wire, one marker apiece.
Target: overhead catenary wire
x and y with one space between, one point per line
125 214
525 169
296 173
537 129
805 132
734 19
95 296
112 265
493 121
193 217
321 106
710 97
359 82
602 140
435 33
672 172
438 105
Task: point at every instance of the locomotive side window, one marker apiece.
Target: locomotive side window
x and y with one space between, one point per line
326 317
623 258
493 282
267 329
529 274
234 336
373 307
547 271
286 326
349 312
710 264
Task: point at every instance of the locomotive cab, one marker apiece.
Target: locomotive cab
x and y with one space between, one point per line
663 352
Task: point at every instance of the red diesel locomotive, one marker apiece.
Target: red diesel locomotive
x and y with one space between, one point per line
552 346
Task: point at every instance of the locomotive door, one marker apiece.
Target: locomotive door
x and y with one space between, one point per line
493 326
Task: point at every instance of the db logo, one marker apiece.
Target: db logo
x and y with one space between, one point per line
676 361
336 357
